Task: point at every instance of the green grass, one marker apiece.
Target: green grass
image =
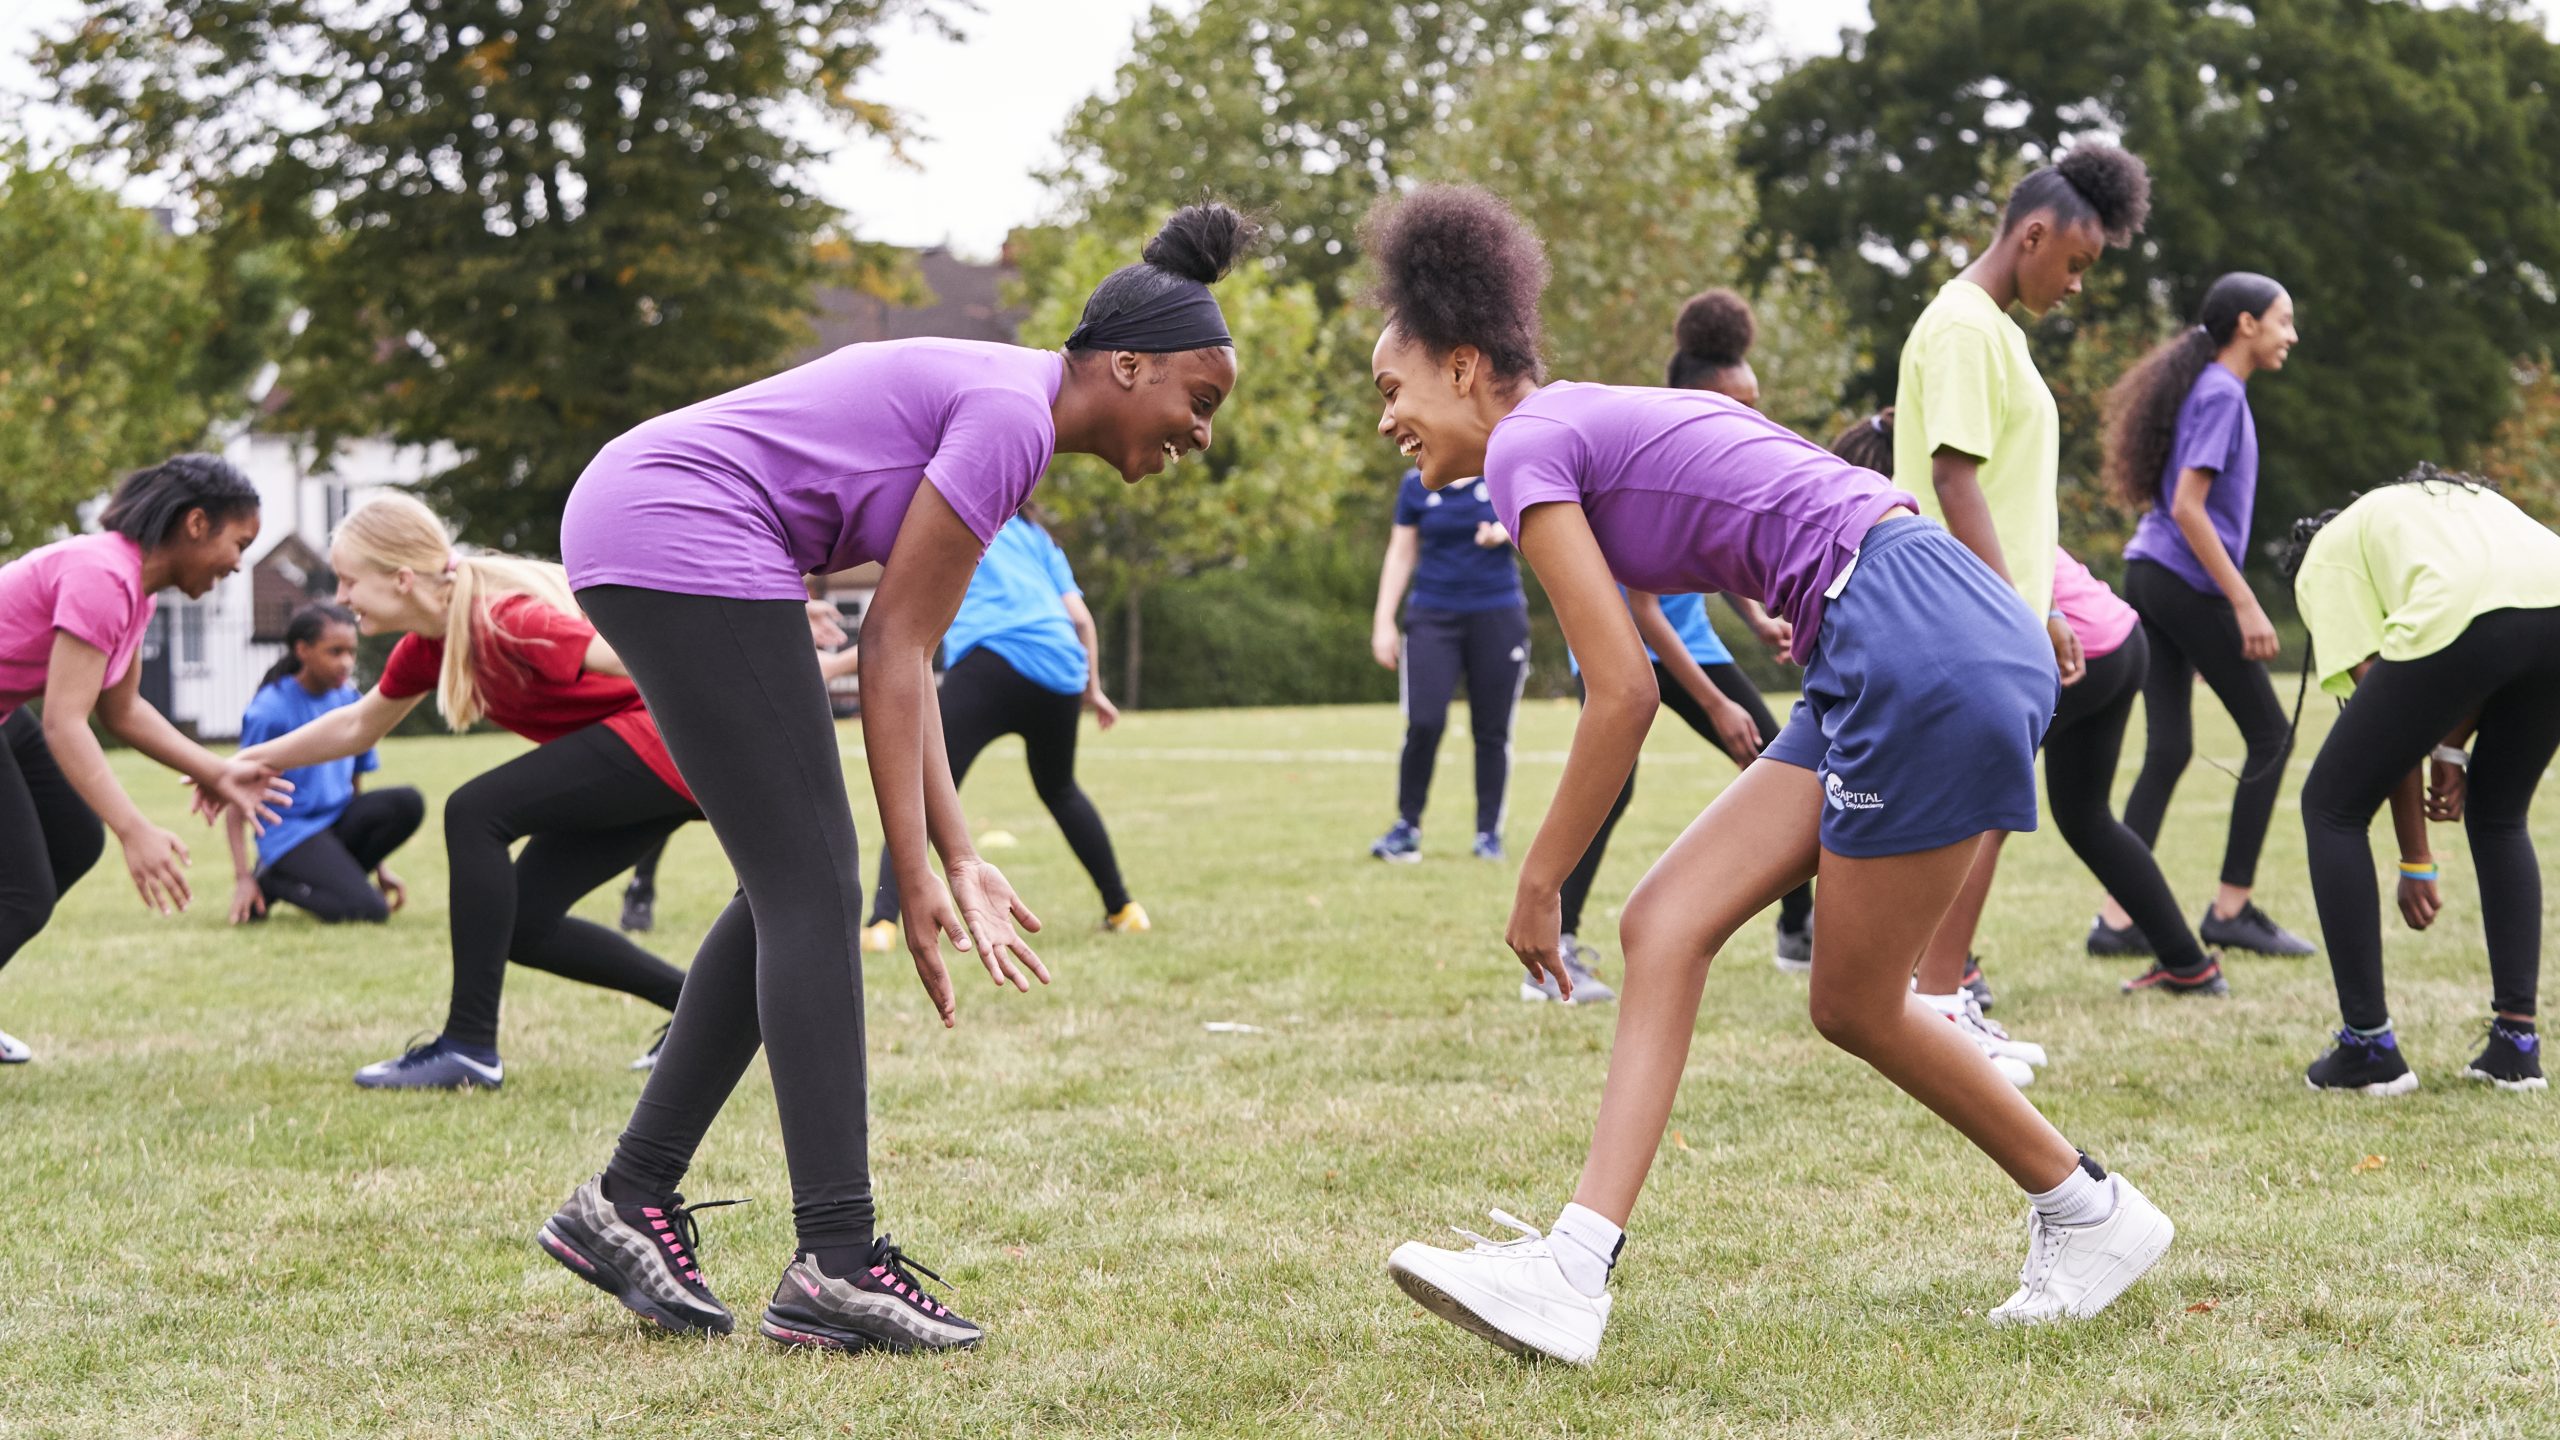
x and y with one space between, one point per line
209 1231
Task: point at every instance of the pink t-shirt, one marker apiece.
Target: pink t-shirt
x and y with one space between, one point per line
1687 490
2091 609
812 470
89 587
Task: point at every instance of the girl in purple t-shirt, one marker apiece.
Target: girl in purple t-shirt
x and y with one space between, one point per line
1926 688
72 616
687 540
2183 448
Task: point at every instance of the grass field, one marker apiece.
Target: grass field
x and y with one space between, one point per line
1168 1230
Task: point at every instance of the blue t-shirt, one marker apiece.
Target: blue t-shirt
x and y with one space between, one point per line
1688 617
1453 572
2216 433
321 793
1017 607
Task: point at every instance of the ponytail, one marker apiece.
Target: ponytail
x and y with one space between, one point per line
307 625
394 532
2141 411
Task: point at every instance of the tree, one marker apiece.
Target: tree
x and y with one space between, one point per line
1281 453
1307 110
1611 148
520 226
2398 168
112 355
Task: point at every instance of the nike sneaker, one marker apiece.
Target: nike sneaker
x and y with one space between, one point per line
2366 1064
642 1255
1509 1292
2251 930
435 1065
2160 979
2075 1271
884 1306
2109 943
2511 1060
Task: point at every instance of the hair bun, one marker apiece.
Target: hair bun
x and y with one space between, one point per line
1716 328
2115 183
1201 242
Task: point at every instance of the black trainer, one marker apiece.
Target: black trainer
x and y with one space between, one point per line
882 1307
2160 978
2369 1064
2109 943
639 907
2252 931
641 1255
2512 1060
1974 982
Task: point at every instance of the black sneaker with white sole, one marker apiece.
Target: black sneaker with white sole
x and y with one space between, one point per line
2511 1060
639 907
2109 943
2249 929
2365 1064
882 1306
642 1255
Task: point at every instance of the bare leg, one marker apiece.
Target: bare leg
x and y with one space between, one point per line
1870 916
1942 963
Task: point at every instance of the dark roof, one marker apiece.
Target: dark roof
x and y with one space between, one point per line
968 304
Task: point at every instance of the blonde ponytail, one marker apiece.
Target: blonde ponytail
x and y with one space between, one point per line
394 532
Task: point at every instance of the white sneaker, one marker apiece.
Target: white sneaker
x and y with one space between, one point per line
2075 1271
14 1051
1511 1293
1994 1040
2012 1069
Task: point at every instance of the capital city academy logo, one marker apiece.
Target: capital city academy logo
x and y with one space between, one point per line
1841 797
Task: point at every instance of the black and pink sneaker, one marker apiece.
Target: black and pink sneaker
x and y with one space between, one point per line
642 1255
881 1307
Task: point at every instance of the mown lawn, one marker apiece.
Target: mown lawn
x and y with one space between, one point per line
1169 1230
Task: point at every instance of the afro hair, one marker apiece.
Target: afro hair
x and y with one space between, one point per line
2094 182
1456 267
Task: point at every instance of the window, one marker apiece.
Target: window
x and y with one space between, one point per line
191 634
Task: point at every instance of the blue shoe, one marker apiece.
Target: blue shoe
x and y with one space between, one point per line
1402 843
432 1066
1488 845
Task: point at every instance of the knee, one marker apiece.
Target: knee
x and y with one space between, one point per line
404 807
2268 740
1854 1023
1649 937
365 907
24 912
474 813
1425 733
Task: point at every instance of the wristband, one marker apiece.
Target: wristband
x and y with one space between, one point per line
2418 870
2458 759
2054 614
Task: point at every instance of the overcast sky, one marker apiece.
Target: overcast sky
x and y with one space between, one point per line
989 108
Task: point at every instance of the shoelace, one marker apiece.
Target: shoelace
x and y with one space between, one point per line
2044 1247
1980 1021
684 1237
1528 1232
896 1268
420 1045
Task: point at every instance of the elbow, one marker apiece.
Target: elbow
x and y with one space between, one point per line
1631 701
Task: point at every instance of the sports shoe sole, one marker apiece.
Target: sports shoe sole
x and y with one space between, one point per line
1450 1308
1409 857
2129 1270
576 1253
2399 1085
2530 1082
809 1333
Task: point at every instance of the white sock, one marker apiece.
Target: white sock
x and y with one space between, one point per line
1949 1005
1585 1245
2078 1200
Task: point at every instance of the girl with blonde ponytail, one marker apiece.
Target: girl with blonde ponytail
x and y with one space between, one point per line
501 639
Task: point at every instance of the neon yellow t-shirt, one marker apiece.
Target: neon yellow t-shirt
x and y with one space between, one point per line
1969 384
2403 571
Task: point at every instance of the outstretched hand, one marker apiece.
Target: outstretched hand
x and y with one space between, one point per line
977 913
248 788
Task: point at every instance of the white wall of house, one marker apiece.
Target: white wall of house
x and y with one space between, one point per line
214 665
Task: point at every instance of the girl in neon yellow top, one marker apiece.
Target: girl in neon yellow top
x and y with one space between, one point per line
2435 605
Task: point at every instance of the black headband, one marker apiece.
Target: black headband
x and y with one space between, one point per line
1181 316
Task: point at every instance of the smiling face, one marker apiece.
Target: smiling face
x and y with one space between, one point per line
1161 406
2269 337
386 602
202 552
327 661
2051 259
1434 412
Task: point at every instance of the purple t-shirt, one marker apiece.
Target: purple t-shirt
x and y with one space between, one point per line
811 471
88 587
2216 433
1689 491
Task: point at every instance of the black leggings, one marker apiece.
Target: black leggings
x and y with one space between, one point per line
2081 748
331 874
983 697
1492 647
2505 669
49 837
736 690
2192 633
1737 687
590 806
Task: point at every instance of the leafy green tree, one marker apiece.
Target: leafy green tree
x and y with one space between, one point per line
1281 455
2397 167
112 352
1307 109
520 226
